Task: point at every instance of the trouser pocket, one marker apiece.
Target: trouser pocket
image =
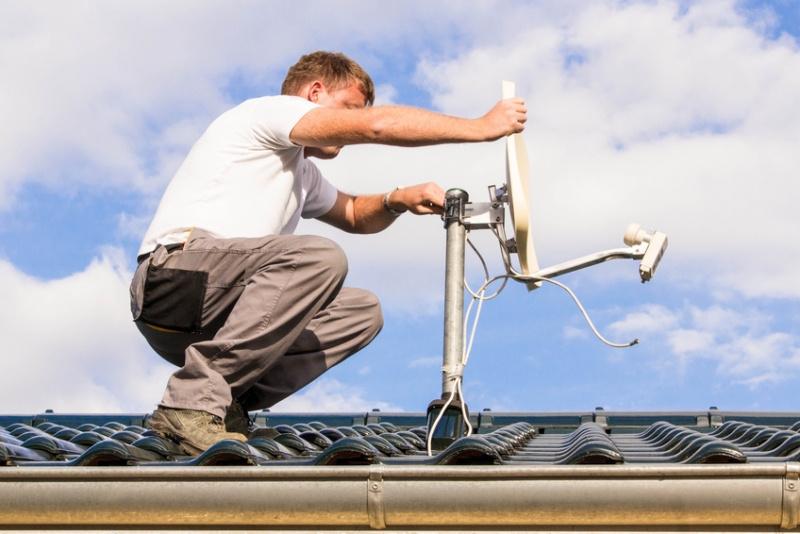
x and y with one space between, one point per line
173 299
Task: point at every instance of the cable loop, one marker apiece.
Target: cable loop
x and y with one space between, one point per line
453 372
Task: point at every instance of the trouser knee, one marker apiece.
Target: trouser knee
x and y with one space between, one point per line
326 256
373 316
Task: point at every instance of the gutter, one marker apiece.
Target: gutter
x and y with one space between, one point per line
752 496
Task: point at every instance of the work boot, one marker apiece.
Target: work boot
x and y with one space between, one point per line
194 430
237 420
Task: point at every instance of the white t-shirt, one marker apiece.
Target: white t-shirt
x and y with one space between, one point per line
243 178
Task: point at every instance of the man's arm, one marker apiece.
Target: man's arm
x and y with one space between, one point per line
405 126
365 214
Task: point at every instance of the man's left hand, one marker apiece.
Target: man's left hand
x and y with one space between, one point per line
422 199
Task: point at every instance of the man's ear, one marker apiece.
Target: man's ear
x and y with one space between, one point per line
315 89
311 91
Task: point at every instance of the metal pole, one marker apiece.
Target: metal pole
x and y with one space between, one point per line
454 284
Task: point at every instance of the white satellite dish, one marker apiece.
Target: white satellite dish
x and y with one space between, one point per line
518 184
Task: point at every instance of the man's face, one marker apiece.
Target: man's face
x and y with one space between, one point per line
349 97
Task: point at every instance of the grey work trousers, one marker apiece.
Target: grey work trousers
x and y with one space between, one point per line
272 316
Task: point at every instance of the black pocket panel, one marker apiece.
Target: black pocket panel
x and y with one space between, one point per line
173 299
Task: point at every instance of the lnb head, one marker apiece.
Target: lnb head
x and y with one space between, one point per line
656 246
634 235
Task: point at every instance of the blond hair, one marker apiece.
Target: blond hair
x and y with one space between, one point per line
335 71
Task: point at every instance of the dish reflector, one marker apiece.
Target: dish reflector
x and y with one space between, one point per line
518 183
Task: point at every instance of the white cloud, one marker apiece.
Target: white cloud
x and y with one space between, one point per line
652 318
385 95
572 332
133 226
432 361
70 344
685 341
330 395
743 344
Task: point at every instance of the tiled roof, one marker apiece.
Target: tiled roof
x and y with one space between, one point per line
347 439
710 469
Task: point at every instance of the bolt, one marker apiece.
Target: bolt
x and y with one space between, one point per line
791 486
375 485
497 219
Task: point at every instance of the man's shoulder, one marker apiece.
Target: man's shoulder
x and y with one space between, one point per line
277 102
271 118
271 109
269 105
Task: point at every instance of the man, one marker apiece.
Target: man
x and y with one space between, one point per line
249 312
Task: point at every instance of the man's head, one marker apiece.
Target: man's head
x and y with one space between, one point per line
335 71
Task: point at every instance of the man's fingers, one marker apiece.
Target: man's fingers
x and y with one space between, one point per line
507 117
425 199
521 112
431 205
436 198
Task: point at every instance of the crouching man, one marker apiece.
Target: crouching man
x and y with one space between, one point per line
249 312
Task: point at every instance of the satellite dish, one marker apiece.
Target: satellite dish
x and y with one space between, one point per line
460 215
518 184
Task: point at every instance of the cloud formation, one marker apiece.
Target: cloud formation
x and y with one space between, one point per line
70 344
741 344
330 395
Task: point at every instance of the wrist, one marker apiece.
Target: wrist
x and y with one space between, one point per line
390 207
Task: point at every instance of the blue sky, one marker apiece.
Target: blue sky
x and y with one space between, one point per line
682 116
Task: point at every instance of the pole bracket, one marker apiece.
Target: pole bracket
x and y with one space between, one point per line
791 496
375 504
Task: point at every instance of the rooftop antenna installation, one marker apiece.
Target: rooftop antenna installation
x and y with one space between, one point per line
448 416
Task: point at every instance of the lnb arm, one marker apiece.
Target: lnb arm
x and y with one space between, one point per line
643 246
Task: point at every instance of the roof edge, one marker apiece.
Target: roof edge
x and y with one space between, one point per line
381 496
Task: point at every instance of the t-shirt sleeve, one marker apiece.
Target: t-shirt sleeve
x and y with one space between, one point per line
320 193
273 119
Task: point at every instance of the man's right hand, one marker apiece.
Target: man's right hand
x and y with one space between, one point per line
505 118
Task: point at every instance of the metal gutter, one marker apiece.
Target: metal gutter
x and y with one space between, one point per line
751 496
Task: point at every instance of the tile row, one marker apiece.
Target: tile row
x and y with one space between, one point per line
314 443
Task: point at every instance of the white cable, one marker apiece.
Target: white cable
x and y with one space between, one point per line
486 271
503 248
456 388
518 276
468 347
521 277
436 422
